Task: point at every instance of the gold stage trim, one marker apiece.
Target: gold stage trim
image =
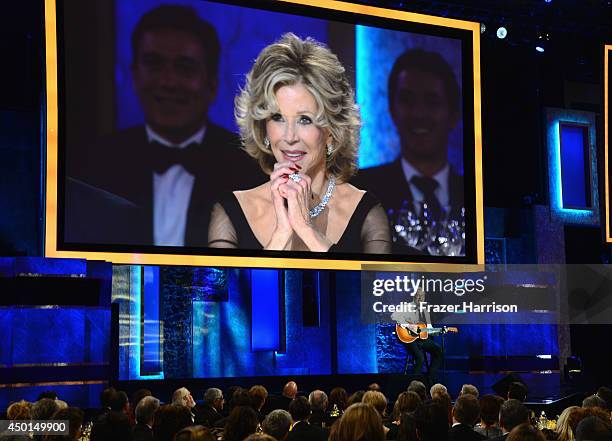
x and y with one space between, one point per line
54 383
607 50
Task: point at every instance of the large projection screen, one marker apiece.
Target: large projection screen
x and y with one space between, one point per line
124 96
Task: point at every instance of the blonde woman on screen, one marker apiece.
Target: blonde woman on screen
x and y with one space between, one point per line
298 118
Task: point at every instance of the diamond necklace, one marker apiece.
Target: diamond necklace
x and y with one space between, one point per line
330 189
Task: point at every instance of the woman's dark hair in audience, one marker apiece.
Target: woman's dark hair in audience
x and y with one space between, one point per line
339 397
194 433
242 422
406 402
489 409
169 420
229 395
525 432
360 422
444 400
431 420
407 428
241 397
355 398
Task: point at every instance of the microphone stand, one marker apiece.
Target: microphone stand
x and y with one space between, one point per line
443 357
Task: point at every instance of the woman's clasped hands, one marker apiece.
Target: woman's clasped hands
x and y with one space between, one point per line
291 196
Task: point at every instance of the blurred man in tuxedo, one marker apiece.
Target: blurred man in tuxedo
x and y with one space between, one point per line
424 102
170 167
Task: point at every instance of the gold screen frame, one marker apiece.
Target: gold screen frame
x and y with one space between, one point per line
607 50
52 118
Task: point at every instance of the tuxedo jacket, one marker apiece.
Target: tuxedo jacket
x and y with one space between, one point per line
142 432
318 419
303 431
463 432
278 402
389 184
121 164
206 415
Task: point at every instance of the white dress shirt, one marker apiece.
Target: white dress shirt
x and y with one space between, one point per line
441 192
171 195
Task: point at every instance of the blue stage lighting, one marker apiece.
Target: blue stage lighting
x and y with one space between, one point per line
501 32
555 119
540 49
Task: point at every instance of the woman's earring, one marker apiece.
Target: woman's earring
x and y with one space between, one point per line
267 142
330 149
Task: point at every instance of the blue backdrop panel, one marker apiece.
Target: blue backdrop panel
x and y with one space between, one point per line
380 48
37 337
243 33
265 310
151 329
80 395
356 341
575 183
20 133
508 340
31 336
308 348
14 266
222 334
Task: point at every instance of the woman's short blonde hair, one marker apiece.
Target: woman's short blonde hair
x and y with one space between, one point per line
291 61
19 410
360 422
376 399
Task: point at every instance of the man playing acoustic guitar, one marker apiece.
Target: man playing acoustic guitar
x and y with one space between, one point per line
414 329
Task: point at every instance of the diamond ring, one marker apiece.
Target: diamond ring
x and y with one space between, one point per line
295 177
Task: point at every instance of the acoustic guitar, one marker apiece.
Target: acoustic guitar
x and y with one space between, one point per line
408 335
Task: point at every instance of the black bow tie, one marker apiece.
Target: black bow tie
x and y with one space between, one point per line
428 186
164 157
